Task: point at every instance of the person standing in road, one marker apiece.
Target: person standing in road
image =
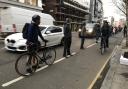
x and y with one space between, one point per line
82 35
67 38
125 31
97 30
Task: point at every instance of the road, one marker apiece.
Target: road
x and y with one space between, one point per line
75 72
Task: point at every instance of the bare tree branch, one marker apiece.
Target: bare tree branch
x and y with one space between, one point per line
121 5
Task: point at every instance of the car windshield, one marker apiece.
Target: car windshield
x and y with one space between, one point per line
42 28
89 25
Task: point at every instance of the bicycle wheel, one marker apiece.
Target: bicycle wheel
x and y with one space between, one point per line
49 55
26 64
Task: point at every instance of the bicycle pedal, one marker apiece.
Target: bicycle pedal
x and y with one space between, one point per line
41 61
29 70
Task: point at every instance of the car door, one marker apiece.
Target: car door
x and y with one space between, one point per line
53 34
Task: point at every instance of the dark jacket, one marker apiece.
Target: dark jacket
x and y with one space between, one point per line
105 30
83 31
67 30
33 33
97 28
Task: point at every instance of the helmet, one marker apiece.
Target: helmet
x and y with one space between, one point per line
35 17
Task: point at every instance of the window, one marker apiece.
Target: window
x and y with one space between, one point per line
29 2
39 3
54 29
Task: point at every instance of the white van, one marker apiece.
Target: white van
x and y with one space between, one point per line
12 19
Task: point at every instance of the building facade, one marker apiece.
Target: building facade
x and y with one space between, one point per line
96 10
59 9
62 9
28 4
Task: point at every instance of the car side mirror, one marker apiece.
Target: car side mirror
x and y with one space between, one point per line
48 32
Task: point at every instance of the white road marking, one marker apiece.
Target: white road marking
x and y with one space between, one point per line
99 73
11 82
22 77
91 45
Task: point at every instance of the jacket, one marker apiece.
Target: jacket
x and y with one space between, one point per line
33 33
67 30
105 30
83 32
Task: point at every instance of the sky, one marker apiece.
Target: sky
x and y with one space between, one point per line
108 7
111 10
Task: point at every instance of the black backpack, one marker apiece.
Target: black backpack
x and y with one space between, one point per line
25 30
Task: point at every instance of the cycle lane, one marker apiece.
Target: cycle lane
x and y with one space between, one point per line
72 73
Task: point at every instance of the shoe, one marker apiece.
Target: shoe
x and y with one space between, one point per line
82 48
71 55
29 70
65 56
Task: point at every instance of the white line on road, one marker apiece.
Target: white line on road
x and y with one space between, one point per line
21 77
99 73
91 45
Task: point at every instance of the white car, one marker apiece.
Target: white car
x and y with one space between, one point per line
54 35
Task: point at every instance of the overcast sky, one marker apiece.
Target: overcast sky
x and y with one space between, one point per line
109 8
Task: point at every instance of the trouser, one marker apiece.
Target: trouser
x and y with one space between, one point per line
97 37
125 34
67 45
82 42
106 39
31 48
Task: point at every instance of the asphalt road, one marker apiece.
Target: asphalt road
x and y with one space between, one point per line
75 72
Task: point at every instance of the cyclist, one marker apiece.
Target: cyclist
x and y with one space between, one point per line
105 32
97 28
33 33
32 37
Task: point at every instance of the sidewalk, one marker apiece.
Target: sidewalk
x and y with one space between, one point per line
117 76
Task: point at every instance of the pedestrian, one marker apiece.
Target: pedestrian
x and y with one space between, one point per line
82 35
125 31
79 31
67 38
114 31
97 29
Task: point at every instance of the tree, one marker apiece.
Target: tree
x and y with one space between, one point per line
122 5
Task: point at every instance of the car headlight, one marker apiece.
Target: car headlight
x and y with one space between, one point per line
90 30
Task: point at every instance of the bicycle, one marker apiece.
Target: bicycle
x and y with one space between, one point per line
103 45
27 63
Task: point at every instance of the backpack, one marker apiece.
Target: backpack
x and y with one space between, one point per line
25 30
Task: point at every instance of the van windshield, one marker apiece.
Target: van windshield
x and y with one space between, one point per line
89 25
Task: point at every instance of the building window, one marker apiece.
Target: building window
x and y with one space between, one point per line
29 2
39 3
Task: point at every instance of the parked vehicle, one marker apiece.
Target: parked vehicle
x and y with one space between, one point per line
90 32
12 19
54 35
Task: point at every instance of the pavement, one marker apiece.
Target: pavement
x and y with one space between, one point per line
117 76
